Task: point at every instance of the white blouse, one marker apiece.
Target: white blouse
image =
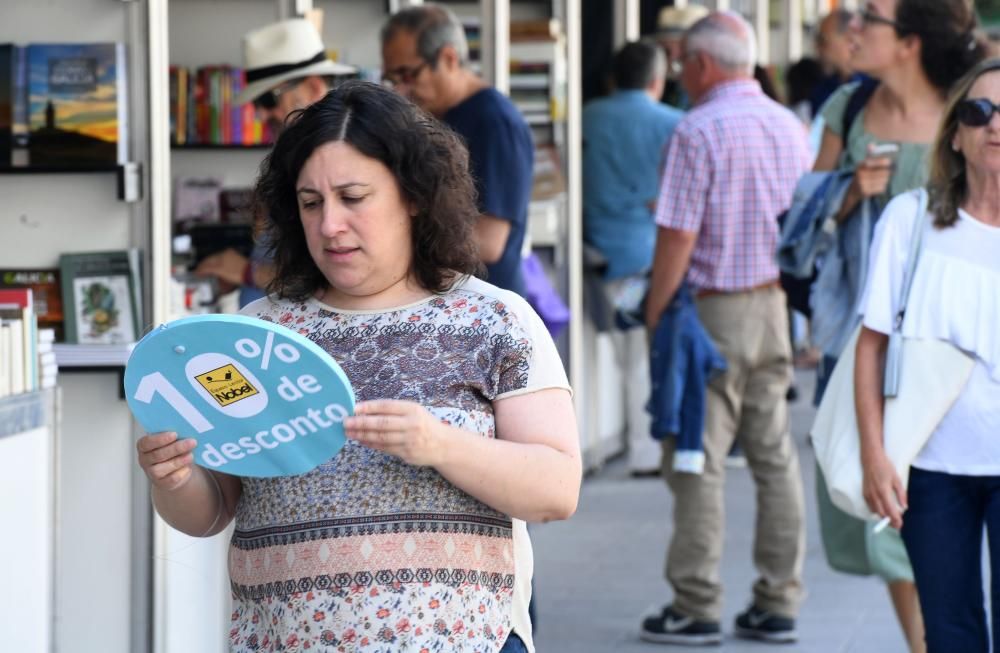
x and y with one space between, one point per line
955 298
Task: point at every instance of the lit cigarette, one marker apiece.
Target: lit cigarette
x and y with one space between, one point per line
880 526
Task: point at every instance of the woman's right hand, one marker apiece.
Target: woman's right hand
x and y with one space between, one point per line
883 490
872 176
167 461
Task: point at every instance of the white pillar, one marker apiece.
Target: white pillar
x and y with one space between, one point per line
160 255
495 39
574 146
626 17
396 5
794 26
721 5
762 27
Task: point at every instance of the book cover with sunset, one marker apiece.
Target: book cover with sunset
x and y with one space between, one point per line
76 105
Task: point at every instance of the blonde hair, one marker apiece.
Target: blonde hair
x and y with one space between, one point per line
947 183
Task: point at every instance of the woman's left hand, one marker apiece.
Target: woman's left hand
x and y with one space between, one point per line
400 428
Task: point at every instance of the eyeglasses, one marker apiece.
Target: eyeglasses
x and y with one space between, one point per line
868 17
268 100
976 113
403 74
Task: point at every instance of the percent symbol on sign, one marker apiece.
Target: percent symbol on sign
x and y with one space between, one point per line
284 352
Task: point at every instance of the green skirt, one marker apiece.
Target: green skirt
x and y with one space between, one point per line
852 547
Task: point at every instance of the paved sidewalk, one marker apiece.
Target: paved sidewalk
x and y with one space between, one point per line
599 572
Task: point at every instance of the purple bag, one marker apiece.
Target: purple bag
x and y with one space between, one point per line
542 296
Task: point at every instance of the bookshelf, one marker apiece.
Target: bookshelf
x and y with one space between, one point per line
57 170
219 147
90 543
28 482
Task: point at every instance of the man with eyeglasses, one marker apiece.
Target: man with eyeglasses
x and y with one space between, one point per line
425 57
286 69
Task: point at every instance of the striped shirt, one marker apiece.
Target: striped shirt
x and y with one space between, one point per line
731 168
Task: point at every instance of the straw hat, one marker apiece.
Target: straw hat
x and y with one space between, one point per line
282 51
678 19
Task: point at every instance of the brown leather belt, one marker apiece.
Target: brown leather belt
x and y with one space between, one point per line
701 294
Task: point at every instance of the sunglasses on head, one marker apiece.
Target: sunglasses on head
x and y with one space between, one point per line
976 112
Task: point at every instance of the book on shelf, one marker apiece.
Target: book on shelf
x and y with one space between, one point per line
5 359
539 29
101 295
8 68
17 315
203 111
77 109
196 200
13 105
44 284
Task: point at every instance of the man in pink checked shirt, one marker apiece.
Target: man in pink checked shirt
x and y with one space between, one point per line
731 168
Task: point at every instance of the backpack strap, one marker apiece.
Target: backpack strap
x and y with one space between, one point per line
859 98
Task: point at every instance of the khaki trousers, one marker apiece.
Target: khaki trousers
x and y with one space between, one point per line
747 402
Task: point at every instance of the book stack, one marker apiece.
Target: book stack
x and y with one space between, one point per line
202 110
63 105
48 370
18 342
45 291
540 29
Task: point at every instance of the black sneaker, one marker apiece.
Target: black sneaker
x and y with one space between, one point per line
765 626
671 627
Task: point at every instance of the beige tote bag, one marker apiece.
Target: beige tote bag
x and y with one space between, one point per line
923 379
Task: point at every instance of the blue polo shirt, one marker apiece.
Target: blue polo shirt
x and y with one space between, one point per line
624 140
501 158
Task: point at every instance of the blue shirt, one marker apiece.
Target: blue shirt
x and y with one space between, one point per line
682 360
624 139
501 157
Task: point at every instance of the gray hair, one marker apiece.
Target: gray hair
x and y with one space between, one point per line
841 19
727 38
433 26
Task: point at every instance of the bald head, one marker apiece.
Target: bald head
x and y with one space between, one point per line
726 37
834 43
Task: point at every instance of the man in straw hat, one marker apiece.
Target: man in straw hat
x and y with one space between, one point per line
286 69
671 23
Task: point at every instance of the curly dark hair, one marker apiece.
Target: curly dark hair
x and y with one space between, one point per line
949 44
430 164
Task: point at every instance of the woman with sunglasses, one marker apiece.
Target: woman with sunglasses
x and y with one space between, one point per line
912 51
954 483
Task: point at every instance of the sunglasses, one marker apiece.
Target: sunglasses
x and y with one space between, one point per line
403 74
976 113
268 100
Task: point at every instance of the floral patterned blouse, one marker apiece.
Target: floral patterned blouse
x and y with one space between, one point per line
366 552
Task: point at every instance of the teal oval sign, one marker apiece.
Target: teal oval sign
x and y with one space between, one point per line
260 399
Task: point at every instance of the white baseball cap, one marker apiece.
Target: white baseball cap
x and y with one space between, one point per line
286 50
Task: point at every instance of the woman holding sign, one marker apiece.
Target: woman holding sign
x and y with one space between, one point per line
412 537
